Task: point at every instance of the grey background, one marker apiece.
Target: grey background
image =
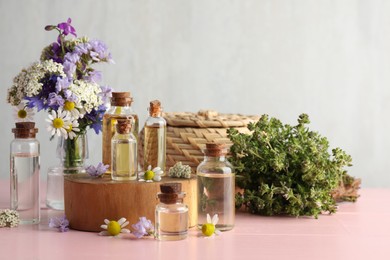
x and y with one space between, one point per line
327 58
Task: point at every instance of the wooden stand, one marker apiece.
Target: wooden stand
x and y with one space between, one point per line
88 201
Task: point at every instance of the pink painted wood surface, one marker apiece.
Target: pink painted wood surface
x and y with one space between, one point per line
357 231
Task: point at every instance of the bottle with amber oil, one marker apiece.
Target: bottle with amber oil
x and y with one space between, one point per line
155 137
216 186
120 108
171 213
24 173
123 152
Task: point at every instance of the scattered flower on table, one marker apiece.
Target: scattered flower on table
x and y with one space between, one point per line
150 175
114 228
210 227
64 84
97 171
62 223
23 113
180 171
9 218
143 227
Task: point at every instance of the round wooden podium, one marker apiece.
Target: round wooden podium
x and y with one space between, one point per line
88 200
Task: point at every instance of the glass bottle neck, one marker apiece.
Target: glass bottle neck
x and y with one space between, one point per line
220 158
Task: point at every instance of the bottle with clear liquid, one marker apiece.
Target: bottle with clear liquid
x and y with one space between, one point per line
171 220
155 137
120 109
24 173
216 187
123 152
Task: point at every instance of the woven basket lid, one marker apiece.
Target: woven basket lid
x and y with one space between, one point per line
208 119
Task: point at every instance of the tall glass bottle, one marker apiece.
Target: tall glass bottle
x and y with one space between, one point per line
171 213
24 171
124 152
120 108
216 186
155 137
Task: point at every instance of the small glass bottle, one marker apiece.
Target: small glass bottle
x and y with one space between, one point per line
216 187
24 173
123 152
155 137
171 214
120 108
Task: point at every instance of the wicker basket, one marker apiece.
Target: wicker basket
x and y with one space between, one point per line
188 133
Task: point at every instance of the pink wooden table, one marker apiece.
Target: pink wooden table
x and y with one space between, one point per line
357 231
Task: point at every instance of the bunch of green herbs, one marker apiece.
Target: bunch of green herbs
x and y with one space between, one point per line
286 169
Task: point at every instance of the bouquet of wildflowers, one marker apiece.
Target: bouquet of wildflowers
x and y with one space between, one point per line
64 84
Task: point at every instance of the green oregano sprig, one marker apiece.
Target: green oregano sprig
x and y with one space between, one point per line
286 169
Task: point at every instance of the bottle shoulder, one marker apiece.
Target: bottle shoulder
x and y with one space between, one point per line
155 122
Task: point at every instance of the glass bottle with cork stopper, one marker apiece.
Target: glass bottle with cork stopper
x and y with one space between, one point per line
155 137
171 220
216 187
124 152
120 108
24 173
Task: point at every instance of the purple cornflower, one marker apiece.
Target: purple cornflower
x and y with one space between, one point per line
66 28
59 222
143 227
97 171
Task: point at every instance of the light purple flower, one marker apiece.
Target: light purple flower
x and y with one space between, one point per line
97 171
143 227
106 93
72 57
59 222
69 68
82 48
62 83
55 101
66 28
99 51
94 76
70 96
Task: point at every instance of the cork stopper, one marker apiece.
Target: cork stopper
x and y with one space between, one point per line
25 130
123 126
121 99
215 149
171 193
155 108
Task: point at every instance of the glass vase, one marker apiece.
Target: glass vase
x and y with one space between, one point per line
73 153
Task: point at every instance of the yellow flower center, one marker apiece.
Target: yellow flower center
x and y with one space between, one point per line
69 128
58 123
22 113
69 106
208 229
113 228
149 175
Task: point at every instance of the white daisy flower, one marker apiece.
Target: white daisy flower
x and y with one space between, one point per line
114 228
23 114
73 129
59 122
72 109
150 175
210 228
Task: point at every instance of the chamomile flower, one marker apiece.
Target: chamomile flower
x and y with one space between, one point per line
73 128
59 122
114 228
150 175
70 106
23 113
210 228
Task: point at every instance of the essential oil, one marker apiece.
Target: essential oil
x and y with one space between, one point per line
24 173
120 109
124 152
171 213
216 187
155 137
